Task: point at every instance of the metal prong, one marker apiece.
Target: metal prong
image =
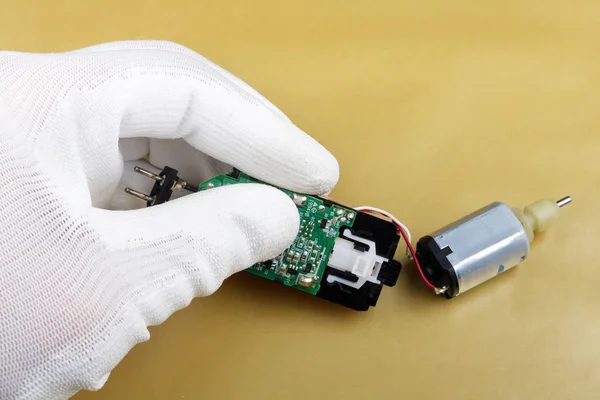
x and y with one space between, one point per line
148 174
178 185
137 194
564 201
183 185
190 188
440 290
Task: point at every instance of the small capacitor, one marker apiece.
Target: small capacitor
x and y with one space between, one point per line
483 244
290 256
304 257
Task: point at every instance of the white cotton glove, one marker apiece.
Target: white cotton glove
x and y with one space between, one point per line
81 279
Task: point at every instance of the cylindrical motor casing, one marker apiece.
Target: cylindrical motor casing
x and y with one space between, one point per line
473 249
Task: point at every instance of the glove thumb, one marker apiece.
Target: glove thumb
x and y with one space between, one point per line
201 239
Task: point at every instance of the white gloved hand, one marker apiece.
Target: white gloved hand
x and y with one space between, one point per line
81 279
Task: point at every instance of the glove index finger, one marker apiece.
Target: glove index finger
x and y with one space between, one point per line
266 146
160 91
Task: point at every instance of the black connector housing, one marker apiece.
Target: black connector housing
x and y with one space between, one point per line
386 238
163 189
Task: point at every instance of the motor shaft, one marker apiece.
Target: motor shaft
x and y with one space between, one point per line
564 201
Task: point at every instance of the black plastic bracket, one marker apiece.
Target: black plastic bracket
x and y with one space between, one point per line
386 238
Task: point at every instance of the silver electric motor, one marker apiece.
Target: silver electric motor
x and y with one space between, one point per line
483 244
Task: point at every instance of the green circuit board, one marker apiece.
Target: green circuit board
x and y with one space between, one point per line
302 265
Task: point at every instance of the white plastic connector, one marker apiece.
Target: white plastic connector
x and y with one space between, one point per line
363 264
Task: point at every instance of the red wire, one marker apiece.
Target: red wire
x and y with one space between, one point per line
415 259
413 254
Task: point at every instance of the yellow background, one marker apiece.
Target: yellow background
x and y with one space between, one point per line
433 109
